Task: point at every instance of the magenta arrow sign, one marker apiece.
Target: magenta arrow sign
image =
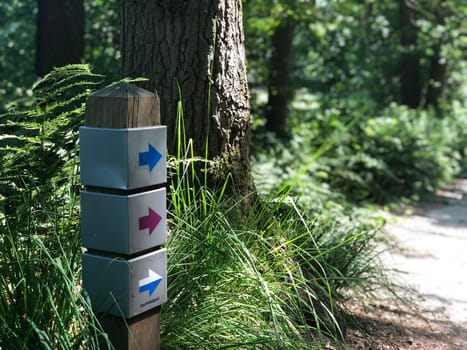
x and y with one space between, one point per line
150 221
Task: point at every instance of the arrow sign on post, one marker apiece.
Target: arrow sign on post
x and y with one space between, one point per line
151 157
150 283
150 221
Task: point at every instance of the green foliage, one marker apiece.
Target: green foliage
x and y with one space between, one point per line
341 47
274 280
400 153
102 37
17 45
261 17
354 48
41 304
38 147
17 32
441 25
347 54
369 154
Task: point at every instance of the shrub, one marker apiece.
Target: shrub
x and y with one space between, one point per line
380 156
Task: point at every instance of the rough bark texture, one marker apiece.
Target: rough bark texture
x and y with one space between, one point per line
198 47
60 34
410 58
280 90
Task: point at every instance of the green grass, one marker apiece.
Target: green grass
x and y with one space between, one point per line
275 279
41 302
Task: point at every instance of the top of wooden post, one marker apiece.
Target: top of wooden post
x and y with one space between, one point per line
122 105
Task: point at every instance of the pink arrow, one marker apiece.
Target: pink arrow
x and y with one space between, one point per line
149 222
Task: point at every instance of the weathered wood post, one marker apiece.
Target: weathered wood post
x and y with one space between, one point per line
123 213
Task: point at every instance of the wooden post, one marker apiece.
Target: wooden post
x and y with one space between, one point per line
121 106
139 333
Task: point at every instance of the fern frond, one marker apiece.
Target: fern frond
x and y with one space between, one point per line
38 146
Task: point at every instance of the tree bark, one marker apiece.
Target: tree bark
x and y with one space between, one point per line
280 89
197 47
410 58
60 34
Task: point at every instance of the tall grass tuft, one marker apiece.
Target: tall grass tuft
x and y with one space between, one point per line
236 284
273 280
41 302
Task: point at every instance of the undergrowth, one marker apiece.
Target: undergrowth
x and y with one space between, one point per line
377 155
275 279
41 304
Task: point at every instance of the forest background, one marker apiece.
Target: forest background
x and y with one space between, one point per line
354 105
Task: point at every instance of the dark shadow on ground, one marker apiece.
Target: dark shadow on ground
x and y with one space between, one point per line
399 328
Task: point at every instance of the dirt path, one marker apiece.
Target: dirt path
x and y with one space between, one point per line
431 257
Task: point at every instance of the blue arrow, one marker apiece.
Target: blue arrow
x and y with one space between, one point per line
151 158
150 283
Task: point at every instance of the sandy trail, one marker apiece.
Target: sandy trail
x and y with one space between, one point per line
430 254
433 255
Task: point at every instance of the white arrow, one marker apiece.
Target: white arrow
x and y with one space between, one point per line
150 283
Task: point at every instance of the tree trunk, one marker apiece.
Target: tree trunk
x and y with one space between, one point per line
196 46
410 58
437 79
60 34
280 89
